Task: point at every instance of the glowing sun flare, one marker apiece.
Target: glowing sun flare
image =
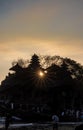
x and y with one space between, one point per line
41 74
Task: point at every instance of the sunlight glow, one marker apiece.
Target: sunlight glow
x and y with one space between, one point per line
45 71
41 74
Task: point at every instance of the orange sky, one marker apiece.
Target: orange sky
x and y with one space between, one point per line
52 27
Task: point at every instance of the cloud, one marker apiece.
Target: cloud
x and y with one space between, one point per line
25 48
43 20
48 27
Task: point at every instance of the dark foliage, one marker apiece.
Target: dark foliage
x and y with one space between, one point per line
60 87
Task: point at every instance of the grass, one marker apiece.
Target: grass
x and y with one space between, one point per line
42 128
66 128
62 126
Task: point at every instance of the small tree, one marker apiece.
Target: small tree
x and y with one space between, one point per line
34 63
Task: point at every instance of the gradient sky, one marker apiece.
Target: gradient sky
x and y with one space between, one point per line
53 27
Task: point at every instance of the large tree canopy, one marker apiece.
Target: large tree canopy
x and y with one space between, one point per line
51 80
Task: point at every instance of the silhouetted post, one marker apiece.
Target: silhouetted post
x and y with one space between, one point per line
7 121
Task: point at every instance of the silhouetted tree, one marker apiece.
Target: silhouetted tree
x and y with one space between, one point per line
61 87
47 60
34 63
23 63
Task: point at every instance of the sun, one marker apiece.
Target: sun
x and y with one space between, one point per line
41 74
40 78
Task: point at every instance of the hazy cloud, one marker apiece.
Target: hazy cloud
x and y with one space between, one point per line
52 27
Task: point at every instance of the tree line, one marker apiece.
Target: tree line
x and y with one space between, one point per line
51 80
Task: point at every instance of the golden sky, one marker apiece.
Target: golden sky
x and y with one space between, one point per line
53 27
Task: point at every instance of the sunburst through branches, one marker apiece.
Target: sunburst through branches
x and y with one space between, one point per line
41 79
